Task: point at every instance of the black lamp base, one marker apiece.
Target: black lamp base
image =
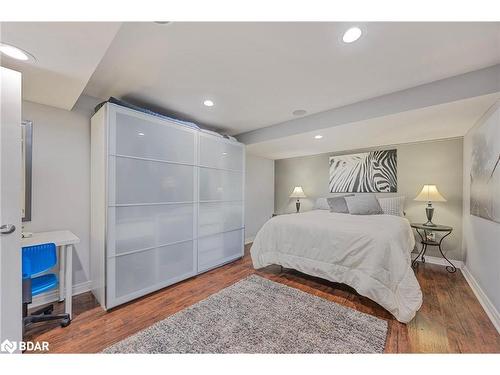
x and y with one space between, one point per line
297 205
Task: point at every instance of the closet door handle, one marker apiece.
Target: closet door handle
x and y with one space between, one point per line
7 229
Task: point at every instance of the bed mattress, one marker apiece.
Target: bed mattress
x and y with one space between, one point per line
370 253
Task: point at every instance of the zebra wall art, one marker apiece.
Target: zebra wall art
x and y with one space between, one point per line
367 172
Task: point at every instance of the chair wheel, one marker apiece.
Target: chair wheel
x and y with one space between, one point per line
65 322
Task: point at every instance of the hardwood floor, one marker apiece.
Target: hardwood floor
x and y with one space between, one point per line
451 319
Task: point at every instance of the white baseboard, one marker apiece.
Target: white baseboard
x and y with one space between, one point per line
53 295
441 262
483 299
249 240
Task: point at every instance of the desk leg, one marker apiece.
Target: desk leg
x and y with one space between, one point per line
62 273
69 280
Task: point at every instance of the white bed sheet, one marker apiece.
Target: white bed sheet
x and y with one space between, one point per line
370 253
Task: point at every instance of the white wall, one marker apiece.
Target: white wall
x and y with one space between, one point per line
259 194
61 174
481 240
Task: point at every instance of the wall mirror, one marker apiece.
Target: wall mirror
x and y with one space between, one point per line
26 152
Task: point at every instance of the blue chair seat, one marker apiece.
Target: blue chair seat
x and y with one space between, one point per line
43 283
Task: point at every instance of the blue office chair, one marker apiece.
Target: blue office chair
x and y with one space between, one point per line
38 259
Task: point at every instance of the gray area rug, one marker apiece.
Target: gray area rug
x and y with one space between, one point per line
257 315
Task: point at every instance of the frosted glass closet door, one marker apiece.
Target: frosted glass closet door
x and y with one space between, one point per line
221 210
217 152
219 217
220 185
219 248
152 204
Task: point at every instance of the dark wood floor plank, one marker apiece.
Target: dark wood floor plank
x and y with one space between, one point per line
450 320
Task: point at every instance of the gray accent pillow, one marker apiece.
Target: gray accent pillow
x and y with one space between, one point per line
321 204
338 204
363 204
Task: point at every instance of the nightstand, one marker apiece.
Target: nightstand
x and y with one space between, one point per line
423 231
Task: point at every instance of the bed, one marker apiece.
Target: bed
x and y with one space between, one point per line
370 253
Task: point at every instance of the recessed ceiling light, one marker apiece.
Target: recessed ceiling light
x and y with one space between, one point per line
208 103
140 134
15 53
352 34
299 112
318 136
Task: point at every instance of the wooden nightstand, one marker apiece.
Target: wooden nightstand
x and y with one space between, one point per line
422 231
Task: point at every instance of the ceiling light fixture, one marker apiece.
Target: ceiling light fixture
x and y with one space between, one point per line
15 53
352 34
318 136
140 134
208 103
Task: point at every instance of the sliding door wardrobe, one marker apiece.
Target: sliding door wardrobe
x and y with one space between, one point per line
166 203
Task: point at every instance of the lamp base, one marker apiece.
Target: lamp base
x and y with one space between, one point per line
429 211
297 205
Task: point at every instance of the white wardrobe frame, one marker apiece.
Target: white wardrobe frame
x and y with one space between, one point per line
103 182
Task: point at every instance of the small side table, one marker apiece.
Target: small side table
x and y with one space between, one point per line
422 232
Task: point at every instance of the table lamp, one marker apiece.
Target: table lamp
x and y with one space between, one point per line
429 194
297 193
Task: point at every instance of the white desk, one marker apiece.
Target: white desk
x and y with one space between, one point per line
65 241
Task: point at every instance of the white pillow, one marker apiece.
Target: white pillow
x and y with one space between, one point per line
393 205
321 204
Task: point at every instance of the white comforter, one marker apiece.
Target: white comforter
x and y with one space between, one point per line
371 253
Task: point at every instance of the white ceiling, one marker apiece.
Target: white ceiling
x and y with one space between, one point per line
67 53
430 123
258 73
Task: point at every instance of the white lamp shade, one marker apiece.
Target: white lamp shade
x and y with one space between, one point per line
297 192
430 193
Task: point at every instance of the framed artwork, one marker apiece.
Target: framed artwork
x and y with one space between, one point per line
485 168
367 172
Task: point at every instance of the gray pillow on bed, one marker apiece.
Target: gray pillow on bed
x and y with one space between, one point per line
363 204
338 204
321 204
